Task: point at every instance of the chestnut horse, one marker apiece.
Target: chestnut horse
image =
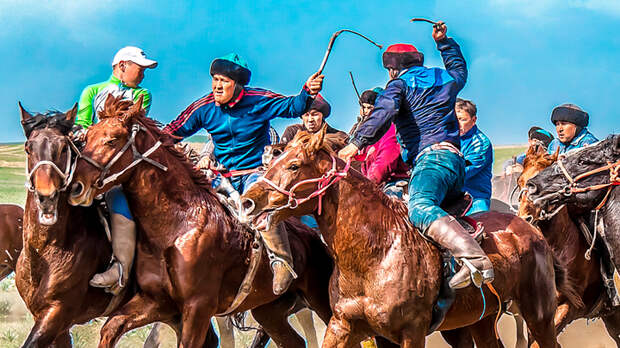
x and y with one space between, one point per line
63 245
11 224
192 253
387 276
570 246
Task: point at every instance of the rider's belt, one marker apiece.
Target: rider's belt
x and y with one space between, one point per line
444 145
233 173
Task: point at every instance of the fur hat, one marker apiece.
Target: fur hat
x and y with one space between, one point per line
232 66
321 105
570 113
402 56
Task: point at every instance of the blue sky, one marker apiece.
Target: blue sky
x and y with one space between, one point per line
524 56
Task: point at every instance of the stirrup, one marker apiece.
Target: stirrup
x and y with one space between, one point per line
478 278
274 258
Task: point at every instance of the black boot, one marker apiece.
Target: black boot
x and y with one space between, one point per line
276 240
475 265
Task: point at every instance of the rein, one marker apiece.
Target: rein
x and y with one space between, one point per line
572 188
331 177
137 158
66 175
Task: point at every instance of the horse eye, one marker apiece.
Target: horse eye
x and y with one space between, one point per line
293 167
27 148
110 142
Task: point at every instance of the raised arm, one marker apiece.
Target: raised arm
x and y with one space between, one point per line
451 54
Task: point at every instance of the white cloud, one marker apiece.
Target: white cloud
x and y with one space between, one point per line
609 7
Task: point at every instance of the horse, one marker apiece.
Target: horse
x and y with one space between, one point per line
571 247
192 252
63 246
388 276
11 224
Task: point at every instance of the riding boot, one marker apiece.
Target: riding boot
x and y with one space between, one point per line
123 247
475 265
281 260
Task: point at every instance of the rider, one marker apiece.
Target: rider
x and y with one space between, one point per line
421 101
128 68
478 153
382 163
571 124
312 121
238 118
535 136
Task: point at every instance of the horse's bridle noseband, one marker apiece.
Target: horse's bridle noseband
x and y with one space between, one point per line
66 175
137 158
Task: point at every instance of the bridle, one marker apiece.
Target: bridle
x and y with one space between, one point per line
572 187
137 158
66 175
323 182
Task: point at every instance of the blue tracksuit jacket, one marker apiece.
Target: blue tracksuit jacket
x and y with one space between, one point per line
478 151
239 129
580 140
421 104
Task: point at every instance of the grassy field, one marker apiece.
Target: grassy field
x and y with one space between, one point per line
16 321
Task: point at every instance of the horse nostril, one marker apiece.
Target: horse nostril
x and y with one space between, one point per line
531 188
77 189
247 206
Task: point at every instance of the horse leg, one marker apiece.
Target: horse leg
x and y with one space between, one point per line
612 324
483 333
196 323
154 338
539 319
273 317
225 329
306 321
522 341
414 339
458 338
62 341
342 334
46 328
139 311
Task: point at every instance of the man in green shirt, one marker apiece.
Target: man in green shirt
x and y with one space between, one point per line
127 73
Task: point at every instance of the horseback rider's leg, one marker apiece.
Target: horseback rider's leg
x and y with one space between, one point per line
276 240
123 242
439 174
479 205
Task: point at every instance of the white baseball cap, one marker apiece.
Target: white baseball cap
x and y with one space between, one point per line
133 54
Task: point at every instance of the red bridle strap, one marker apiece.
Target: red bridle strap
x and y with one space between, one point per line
331 177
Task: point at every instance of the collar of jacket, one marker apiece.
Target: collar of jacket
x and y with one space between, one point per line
470 133
235 101
578 137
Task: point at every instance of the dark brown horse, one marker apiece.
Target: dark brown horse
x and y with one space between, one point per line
387 276
63 245
570 246
192 253
11 223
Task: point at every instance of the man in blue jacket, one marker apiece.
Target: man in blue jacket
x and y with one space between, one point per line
571 124
238 119
478 153
420 101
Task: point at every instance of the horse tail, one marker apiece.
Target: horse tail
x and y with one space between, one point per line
564 285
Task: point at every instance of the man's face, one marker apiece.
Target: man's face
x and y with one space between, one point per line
566 131
223 89
313 120
132 74
366 109
466 121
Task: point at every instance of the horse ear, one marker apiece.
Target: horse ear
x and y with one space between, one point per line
617 143
316 142
133 111
70 114
25 115
107 105
555 155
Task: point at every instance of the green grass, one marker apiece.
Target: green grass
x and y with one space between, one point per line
501 154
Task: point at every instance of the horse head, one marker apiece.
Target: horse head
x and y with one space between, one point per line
536 160
109 149
48 150
580 178
291 181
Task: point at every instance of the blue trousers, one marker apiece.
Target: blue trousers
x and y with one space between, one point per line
437 175
479 205
239 183
117 202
